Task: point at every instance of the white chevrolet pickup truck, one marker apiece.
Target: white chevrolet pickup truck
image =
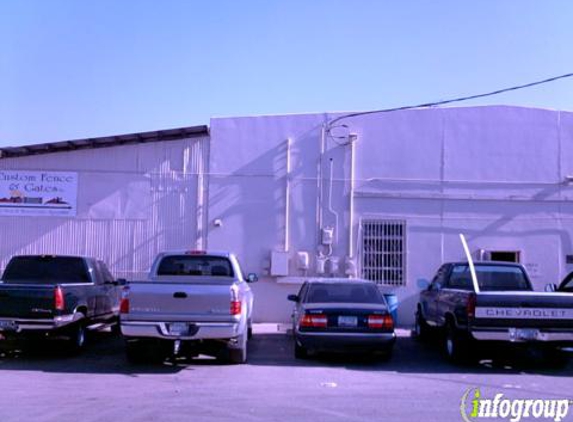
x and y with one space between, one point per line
193 302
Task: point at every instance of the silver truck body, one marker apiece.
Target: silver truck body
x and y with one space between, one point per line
188 306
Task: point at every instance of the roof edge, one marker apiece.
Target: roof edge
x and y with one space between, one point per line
106 141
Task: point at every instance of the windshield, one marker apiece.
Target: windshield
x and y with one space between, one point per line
493 277
46 270
200 265
344 293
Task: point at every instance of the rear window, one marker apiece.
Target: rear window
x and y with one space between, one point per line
493 277
344 293
200 265
46 270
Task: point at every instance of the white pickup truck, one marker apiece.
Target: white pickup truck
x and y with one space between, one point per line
194 302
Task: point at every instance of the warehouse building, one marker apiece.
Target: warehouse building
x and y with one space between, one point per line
381 196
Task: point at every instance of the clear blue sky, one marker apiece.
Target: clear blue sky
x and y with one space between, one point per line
86 68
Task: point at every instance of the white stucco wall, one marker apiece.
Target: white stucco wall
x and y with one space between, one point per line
496 174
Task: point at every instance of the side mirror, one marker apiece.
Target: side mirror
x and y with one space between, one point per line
550 287
293 298
252 277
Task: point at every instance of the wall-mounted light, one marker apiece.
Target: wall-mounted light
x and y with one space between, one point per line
217 222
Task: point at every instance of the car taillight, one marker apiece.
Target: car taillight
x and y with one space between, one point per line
313 321
124 306
381 322
195 252
59 301
124 303
471 305
235 307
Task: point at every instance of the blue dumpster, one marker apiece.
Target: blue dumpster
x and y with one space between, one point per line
392 300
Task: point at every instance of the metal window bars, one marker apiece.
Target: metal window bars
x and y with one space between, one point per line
384 251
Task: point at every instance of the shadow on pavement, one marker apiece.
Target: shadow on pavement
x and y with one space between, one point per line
105 354
410 356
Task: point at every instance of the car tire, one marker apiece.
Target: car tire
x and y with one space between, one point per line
77 338
555 357
135 352
238 354
116 328
421 327
300 352
250 329
385 355
456 345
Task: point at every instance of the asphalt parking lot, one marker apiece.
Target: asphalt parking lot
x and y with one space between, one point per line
416 385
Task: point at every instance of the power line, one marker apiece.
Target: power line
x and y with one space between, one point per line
452 100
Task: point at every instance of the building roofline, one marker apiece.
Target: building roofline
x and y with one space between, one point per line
106 141
338 113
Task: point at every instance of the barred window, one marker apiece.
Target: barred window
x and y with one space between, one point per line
384 251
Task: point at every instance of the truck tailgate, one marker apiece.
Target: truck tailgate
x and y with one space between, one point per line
178 301
26 301
524 310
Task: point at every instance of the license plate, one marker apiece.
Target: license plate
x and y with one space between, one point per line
8 325
347 321
178 328
523 333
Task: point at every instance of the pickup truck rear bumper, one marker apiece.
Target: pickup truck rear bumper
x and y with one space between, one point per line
196 330
18 325
344 342
514 335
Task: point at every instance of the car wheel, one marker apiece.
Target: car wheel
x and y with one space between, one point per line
116 328
250 329
135 352
456 345
385 355
555 357
421 328
300 352
77 338
238 354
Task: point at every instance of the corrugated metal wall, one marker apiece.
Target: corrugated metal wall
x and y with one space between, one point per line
133 201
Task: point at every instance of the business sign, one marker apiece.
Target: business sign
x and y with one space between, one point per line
38 193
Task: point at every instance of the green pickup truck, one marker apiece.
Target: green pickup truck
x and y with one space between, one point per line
58 297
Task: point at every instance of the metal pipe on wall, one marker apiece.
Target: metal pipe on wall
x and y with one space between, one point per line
318 227
200 243
287 193
330 209
351 201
